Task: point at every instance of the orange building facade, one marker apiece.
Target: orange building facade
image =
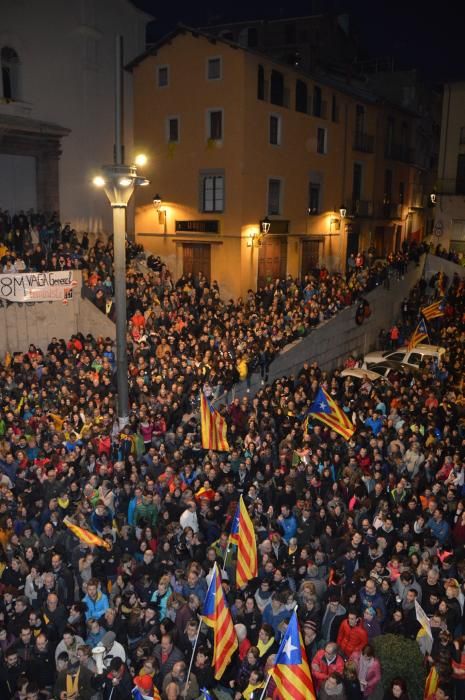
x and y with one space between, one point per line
234 138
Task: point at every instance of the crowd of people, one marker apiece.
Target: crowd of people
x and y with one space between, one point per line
353 532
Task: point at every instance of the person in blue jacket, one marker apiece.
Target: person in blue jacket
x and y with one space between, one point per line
96 601
287 523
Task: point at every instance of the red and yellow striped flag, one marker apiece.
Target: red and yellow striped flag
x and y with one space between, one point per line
86 536
247 562
213 427
420 333
434 310
431 684
216 615
326 410
291 672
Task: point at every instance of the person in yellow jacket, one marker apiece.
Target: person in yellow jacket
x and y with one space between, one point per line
242 366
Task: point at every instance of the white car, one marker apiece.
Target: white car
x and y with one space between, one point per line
362 374
414 357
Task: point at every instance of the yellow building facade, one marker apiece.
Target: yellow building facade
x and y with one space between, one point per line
262 171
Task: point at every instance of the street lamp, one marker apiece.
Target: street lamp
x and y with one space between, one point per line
265 225
157 202
119 182
342 211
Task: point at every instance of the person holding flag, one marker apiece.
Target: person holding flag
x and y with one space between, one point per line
291 672
216 615
420 333
434 310
243 535
86 535
213 427
144 689
325 409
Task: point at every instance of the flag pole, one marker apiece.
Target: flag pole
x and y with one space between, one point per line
228 549
263 695
192 657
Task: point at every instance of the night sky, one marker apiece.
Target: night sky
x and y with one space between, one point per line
424 35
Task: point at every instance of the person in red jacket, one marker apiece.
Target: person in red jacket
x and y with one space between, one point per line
325 662
352 636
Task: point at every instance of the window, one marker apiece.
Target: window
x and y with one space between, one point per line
460 178
252 37
357 176
317 101
277 88
261 83
212 193
172 129
462 135
314 198
387 186
321 145
162 76
334 109
359 120
389 136
415 359
275 130
214 69
10 66
290 33
215 124
401 192
301 96
274 197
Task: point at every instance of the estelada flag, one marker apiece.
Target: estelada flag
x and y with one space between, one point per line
247 561
86 536
291 671
326 410
420 333
213 427
216 615
435 310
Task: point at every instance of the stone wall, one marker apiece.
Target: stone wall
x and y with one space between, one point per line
23 324
436 264
333 341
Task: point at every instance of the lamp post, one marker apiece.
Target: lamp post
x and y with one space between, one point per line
119 181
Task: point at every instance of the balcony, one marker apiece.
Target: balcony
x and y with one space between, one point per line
364 142
399 151
389 210
362 208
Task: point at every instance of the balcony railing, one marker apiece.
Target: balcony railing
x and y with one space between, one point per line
389 210
399 151
359 207
364 142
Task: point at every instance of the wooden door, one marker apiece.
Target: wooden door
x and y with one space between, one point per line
310 257
196 258
272 259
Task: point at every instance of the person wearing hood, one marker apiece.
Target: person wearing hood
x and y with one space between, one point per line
332 619
371 624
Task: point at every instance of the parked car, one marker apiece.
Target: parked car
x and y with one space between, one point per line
363 374
415 357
